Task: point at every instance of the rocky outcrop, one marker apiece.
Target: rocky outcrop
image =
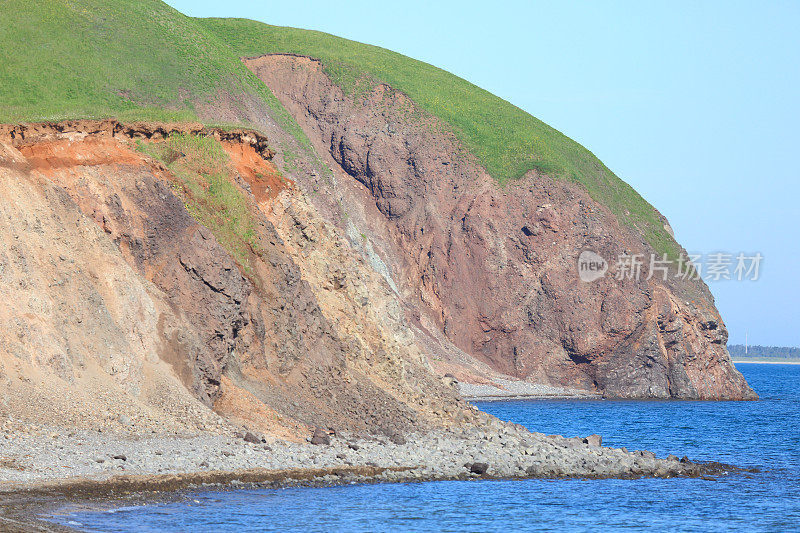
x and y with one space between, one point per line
491 268
27 133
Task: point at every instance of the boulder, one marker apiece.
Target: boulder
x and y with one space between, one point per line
320 437
251 438
534 471
450 381
593 440
479 468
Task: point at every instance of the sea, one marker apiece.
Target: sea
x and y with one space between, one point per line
763 434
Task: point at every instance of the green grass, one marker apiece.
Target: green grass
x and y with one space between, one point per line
205 183
138 60
144 60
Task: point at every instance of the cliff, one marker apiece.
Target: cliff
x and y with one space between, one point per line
285 230
169 277
494 268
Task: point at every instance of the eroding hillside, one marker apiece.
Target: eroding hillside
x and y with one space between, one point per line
494 267
151 289
328 235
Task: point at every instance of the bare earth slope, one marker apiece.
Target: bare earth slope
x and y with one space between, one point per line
492 269
120 309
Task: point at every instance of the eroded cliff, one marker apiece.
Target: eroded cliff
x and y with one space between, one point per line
173 277
493 269
168 277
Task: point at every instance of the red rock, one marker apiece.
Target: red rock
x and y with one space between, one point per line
494 268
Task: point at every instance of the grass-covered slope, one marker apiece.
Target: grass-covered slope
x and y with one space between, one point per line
145 60
92 58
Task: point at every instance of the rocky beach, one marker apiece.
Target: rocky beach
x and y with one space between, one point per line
504 389
46 468
506 450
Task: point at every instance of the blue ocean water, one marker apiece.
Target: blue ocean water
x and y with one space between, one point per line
764 434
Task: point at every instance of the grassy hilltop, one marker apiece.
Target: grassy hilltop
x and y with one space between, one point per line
146 61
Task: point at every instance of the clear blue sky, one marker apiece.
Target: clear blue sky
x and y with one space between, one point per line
695 104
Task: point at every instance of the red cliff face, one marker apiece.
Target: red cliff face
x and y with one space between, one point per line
493 269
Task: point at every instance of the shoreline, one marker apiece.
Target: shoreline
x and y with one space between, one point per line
41 474
510 397
34 507
767 362
506 389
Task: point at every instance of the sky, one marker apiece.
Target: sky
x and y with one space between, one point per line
695 104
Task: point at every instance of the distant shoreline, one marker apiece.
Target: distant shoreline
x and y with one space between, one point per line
792 362
505 390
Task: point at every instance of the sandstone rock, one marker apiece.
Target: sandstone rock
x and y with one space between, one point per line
593 440
171 314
